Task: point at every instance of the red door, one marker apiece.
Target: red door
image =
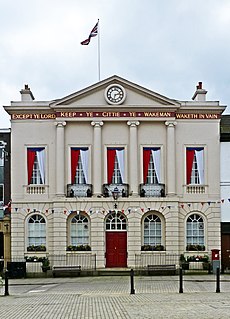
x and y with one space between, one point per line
116 249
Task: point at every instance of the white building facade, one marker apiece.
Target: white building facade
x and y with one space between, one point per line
117 170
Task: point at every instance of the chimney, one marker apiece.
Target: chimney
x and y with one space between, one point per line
26 94
200 94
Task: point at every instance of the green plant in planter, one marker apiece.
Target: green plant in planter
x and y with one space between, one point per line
36 248
191 247
152 248
78 248
45 264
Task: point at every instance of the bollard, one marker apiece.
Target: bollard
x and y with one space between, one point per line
132 292
181 280
6 283
217 279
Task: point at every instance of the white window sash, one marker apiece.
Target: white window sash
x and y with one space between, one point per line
200 165
85 162
41 164
121 163
156 154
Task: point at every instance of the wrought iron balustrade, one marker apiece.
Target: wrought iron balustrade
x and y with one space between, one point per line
79 190
122 190
152 190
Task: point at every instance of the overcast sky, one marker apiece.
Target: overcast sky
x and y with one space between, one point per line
167 46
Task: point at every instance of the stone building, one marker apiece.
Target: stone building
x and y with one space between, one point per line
5 202
117 170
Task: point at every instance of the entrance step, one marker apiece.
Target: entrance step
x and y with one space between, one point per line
113 272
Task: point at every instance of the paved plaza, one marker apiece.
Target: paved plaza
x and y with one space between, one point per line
109 297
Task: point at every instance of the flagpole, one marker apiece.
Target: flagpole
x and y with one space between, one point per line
99 53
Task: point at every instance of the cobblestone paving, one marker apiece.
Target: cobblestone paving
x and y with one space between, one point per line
109 297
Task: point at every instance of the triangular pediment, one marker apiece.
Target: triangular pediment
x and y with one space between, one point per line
94 96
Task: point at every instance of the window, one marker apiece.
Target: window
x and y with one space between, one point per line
195 165
195 231
152 230
79 230
116 221
151 165
115 165
1 194
79 165
36 165
36 230
1 156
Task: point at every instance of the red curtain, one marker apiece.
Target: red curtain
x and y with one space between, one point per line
30 163
189 161
74 161
146 159
111 153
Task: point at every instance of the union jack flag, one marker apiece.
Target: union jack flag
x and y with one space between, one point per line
93 33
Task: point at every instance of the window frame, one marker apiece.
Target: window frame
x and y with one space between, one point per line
195 177
38 242
83 216
198 231
44 148
159 221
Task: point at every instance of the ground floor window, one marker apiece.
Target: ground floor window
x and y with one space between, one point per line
79 230
116 221
152 230
195 232
36 231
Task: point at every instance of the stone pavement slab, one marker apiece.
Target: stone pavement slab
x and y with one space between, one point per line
109 297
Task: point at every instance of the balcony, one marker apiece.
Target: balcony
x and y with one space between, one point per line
152 190
36 189
123 190
195 189
79 190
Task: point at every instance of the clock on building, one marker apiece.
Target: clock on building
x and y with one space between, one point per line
115 94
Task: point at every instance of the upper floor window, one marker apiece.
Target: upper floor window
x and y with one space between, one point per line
36 165
195 165
36 230
151 165
115 165
79 165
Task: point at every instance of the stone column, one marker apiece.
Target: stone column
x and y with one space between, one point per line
133 154
60 158
97 160
171 159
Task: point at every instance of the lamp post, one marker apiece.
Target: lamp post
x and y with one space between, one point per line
115 194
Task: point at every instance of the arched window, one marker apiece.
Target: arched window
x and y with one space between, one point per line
152 230
195 232
116 221
79 230
36 230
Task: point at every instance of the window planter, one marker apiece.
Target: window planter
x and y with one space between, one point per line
36 248
152 248
78 248
195 248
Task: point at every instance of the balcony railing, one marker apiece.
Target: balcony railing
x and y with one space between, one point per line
79 190
36 189
195 189
152 190
123 190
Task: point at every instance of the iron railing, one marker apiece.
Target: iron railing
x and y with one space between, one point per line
79 190
152 190
122 190
87 261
